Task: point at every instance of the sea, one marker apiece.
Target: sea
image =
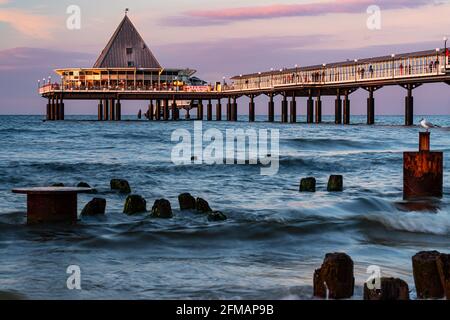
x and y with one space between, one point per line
274 237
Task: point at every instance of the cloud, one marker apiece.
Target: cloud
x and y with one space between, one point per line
228 15
31 25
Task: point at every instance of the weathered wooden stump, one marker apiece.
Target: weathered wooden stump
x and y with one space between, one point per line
135 204
216 216
203 206
120 185
162 209
335 276
186 201
96 206
335 183
391 289
423 171
426 275
443 265
308 185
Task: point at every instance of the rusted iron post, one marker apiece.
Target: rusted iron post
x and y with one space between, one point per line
318 108
219 110
346 108
284 109
251 109
409 106
271 107
51 204
338 109
293 109
371 107
423 171
310 109
209 110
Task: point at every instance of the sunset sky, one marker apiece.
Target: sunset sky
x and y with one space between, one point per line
218 38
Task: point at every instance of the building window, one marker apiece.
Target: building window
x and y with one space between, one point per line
130 63
129 50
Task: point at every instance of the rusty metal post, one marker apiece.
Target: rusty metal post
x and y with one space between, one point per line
271 109
293 109
284 109
251 109
423 171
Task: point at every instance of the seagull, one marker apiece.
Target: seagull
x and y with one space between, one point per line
427 125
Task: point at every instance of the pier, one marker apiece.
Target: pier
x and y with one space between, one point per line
127 70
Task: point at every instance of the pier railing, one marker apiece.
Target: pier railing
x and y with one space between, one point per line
56 87
350 72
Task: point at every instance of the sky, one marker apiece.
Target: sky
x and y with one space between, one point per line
219 38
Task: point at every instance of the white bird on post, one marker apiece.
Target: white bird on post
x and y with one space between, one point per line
427 125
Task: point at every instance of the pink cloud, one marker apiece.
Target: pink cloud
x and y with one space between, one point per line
205 17
34 26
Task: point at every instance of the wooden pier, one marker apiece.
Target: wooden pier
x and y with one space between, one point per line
127 70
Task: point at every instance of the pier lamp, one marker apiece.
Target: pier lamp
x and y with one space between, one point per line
259 74
437 59
271 77
393 65
445 49
354 71
296 73
324 65
223 79
49 79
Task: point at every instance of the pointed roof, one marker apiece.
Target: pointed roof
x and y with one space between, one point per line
125 46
